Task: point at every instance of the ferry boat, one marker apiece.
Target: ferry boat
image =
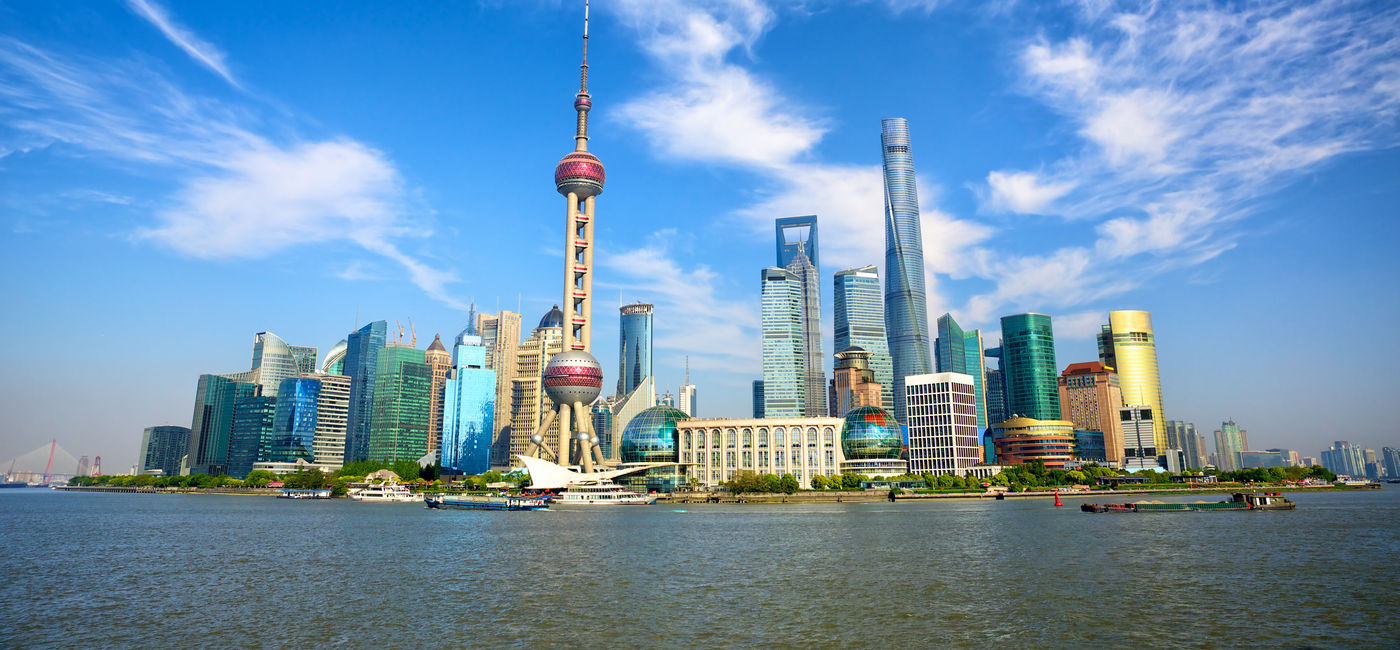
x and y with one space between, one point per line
601 493
386 492
304 494
1239 502
484 502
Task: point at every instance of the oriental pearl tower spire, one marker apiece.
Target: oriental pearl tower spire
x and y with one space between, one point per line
573 378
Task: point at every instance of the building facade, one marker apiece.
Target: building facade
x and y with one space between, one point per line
529 403
1139 438
784 361
944 435
1345 458
162 448
854 383
956 350
402 398
1128 345
251 438
332 415
274 361
715 449
211 428
797 254
439 362
757 399
634 346
1022 440
469 409
1090 398
1229 442
294 421
1028 366
685 400
1390 459
500 333
906 308
858 313
362 350
1183 436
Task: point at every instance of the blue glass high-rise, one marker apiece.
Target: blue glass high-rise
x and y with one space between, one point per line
251 436
469 408
294 421
859 315
798 255
634 347
1028 366
906 311
362 349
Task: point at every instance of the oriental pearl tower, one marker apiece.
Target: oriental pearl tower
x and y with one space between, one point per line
573 378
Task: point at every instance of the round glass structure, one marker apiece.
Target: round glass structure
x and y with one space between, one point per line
870 433
651 436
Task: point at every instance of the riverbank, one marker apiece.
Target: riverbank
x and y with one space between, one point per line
845 496
247 492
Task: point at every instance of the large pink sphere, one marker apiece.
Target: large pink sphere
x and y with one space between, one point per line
580 173
573 377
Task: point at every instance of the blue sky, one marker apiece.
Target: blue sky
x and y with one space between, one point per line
176 176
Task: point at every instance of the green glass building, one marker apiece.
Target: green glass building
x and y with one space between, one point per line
251 438
399 414
212 425
960 351
1028 366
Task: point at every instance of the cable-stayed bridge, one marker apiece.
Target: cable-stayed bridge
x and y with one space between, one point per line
49 463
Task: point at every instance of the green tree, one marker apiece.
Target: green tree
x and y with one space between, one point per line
259 478
819 482
788 484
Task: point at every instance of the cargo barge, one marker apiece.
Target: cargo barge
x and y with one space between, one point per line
1239 502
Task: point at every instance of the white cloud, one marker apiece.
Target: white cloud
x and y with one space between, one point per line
198 49
1023 192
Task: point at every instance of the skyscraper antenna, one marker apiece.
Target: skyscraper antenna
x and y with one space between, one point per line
687 370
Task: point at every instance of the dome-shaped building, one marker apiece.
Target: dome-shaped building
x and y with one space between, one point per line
651 437
871 441
554 318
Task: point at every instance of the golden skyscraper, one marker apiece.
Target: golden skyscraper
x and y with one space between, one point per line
1128 345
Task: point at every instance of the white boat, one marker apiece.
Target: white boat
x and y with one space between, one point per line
386 492
601 493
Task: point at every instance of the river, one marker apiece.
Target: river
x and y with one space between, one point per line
122 570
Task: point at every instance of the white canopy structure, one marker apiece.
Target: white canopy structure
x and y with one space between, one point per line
545 475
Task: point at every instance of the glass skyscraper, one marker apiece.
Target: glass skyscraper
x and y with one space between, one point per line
294 422
859 314
797 253
212 425
251 436
956 350
758 412
274 360
634 347
1028 366
361 363
1128 345
906 311
783 386
399 415
162 448
469 409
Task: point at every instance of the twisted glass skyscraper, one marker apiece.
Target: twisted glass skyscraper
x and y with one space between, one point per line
906 311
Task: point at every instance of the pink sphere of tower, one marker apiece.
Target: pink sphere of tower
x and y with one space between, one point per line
581 173
573 377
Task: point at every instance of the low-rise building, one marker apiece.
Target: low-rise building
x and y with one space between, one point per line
1021 440
715 449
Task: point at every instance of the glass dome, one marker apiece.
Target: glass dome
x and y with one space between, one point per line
870 433
651 436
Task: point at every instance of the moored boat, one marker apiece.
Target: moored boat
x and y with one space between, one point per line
289 493
601 493
484 502
1239 502
385 492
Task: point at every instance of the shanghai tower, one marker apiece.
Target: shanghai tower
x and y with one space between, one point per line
906 312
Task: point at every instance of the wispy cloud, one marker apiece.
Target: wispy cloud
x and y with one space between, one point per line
240 194
198 49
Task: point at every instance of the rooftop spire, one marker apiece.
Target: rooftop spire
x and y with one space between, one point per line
582 103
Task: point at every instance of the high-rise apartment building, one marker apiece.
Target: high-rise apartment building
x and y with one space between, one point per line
1028 366
1229 443
634 346
362 350
500 333
797 254
784 389
332 412
399 415
294 421
858 310
211 429
162 448
439 362
944 436
956 350
1128 345
250 439
1091 399
685 399
1139 442
906 310
469 408
1345 458
529 403
1183 436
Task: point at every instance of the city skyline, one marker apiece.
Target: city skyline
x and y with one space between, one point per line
1200 271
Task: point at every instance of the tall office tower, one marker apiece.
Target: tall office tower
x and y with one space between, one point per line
335 359
855 383
943 431
294 421
1345 458
528 404
332 410
1228 446
1090 398
686 396
250 439
399 415
274 360
626 407
1139 441
797 254
994 383
573 377
362 350
960 351
212 426
440 364
500 333
906 311
758 412
1390 457
603 425
1182 435
1128 345
1028 366
1199 444
162 447
469 408
784 364
859 312
634 346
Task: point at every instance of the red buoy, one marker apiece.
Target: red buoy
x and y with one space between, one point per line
1057 499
